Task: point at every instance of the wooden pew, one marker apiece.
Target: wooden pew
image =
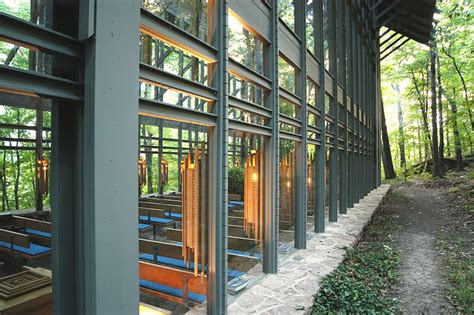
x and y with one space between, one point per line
163 200
163 281
234 242
152 216
235 197
36 229
19 244
162 206
170 250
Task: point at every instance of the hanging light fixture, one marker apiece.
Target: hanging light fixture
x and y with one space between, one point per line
286 189
42 175
141 172
164 172
253 196
193 204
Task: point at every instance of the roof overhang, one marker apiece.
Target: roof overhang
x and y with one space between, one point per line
410 18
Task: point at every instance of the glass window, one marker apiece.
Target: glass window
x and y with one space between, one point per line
311 92
311 184
246 90
310 43
287 188
237 114
173 97
33 11
173 214
326 33
286 11
25 58
287 75
289 109
157 53
25 193
244 47
189 15
246 207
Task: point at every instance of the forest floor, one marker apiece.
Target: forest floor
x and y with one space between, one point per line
435 240
415 256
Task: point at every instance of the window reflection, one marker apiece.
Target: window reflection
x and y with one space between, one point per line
189 15
287 182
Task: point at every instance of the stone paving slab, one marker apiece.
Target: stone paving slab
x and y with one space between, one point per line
292 289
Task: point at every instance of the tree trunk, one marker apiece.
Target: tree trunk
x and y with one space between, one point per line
468 136
466 94
440 114
434 124
387 155
18 165
419 144
401 134
424 114
457 139
5 205
448 141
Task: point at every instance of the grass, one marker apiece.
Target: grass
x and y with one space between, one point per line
360 283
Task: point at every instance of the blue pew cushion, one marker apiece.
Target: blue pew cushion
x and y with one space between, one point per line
37 232
143 226
155 220
236 203
195 297
174 215
33 250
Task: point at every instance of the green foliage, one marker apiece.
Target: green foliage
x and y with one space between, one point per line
17 167
460 271
357 286
408 68
236 180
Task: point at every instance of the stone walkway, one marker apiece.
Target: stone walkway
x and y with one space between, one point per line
292 289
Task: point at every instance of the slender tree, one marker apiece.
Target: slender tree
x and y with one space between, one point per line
401 133
457 138
434 124
387 155
440 114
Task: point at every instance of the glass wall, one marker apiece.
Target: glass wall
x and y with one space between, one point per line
173 215
287 191
25 193
311 164
246 186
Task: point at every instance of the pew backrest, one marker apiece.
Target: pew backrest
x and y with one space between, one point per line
14 238
162 206
24 222
235 197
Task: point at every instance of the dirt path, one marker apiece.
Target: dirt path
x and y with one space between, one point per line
421 214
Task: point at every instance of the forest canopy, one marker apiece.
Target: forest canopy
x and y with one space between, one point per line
407 92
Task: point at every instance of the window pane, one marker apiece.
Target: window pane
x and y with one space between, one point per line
245 47
189 15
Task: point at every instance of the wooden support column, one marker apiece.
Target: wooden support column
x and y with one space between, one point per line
39 153
218 172
342 10
272 155
301 148
333 111
321 151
